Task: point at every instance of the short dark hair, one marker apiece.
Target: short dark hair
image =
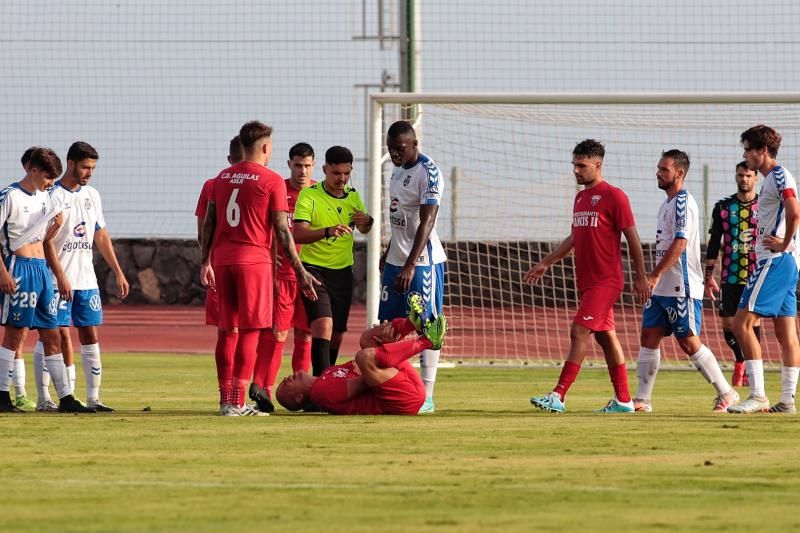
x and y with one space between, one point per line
26 156
81 150
338 154
589 148
760 136
236 150
679 157
742 164
252 132
301 150
401 127
47 161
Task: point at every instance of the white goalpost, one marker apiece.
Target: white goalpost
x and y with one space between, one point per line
506 161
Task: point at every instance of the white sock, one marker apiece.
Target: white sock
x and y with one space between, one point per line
755 373
40 374
646 371
428 364
71 377
789 383
19 377
706 363
6 368
58 373
92 370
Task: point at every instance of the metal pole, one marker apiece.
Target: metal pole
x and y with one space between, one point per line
455 176
376 210
705 199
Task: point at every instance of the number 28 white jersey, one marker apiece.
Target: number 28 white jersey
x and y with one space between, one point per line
409 188
678 218
24 217
74 242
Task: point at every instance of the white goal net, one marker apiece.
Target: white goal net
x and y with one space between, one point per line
509 189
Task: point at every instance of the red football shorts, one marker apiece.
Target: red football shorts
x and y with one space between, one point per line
596 310
245 296
289 309
403 394
212 308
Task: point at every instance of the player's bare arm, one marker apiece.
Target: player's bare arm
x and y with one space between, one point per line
427 220
303 234
106 247
712 288
305 280
640 287
209 226
671 257
778 244
7 284
50 254
537 271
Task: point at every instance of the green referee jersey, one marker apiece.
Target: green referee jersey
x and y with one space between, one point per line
321 210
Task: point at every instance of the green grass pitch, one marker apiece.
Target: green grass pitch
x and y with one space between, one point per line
486 461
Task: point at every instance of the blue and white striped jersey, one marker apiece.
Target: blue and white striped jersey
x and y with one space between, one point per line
24 217
771 215
678 218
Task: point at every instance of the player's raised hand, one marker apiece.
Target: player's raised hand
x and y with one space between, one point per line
360 218
338 230
207 278
307 282
535 273
712 289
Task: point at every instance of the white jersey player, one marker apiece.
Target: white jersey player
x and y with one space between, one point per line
414 261
676 303
771 290
29 300
83 227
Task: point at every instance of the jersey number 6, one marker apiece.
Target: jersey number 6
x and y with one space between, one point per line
232 212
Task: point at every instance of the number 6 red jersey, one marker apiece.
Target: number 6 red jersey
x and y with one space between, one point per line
244 195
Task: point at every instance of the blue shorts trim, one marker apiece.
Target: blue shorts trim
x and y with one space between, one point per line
35 303
771 288
85 309
428 281
681 316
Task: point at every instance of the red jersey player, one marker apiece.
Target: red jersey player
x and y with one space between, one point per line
600 214
289 309
252 205
235 155
380 380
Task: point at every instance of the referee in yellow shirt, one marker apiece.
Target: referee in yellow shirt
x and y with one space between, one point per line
324 218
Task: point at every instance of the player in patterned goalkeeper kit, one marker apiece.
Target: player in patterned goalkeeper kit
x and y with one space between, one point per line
83 229
29 300
601 215
733 226
676 303
771 289
414 260
380 380
251 201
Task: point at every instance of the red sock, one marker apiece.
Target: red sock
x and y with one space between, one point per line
237 392
223 356
268 359
403 326
568 375
245 358
391 355
619 378
301 356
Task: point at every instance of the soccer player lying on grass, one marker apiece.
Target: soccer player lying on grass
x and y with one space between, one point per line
379 380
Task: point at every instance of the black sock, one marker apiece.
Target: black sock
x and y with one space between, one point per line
730 339
334 355
320 355
757 331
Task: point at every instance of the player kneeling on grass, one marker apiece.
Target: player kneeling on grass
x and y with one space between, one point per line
380 380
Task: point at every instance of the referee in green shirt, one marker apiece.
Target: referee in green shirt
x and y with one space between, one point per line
324 218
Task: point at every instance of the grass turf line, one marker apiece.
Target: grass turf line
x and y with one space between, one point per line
487 460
